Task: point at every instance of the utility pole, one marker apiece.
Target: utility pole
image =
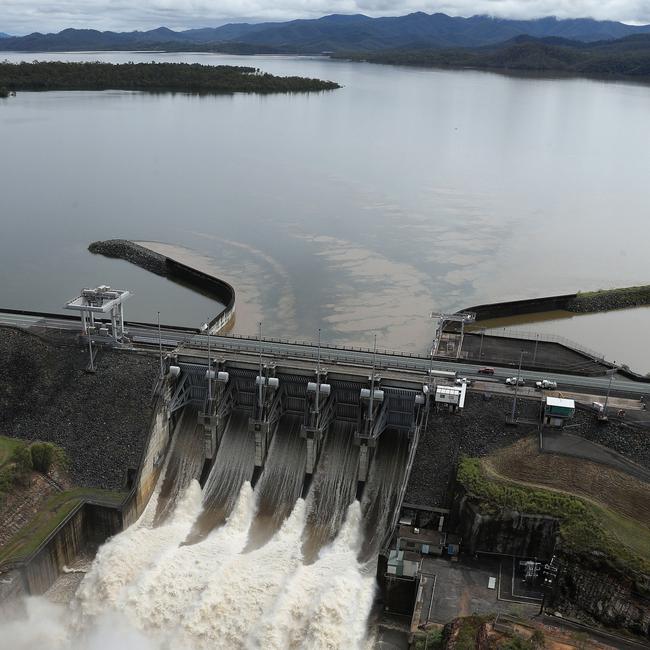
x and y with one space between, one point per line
90 348
480 349
259 397
207 325
609 386
160 347
372 388
514 401
318 375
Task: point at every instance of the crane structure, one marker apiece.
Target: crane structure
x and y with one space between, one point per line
458 317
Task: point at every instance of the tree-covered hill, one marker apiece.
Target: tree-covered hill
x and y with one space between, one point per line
627 57
155 77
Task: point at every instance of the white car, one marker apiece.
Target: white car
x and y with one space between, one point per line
512 381
463 380
546 384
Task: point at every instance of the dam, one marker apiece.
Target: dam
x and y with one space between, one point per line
278 484
270 494
279 544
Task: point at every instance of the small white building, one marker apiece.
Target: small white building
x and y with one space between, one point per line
557 410
451 397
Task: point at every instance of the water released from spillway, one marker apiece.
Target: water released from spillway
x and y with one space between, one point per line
281 483
269 569
233 466
334 487
184 465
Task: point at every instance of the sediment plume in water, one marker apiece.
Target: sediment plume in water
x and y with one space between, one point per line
232 467
184 465
333 488
280 485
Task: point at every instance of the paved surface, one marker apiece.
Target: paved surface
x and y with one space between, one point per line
144 336
571 445
541 353
461 589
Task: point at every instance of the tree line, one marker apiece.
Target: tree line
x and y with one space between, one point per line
153 77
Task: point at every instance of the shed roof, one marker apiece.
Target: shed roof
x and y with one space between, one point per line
561 402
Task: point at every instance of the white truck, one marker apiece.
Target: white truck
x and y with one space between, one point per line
546 384
512 381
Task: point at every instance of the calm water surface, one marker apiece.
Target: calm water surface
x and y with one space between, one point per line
358 210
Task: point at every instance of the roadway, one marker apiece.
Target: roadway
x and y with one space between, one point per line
144 335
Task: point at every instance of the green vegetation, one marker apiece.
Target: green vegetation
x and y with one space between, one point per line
628 56
468 631
430 640
154 77
46 454
18 459
4 92
54 511
7 447
584 525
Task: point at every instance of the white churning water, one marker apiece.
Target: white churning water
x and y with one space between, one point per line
155 586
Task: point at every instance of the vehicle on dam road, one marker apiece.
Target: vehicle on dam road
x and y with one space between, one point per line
513 381
463 380
546 384
486 371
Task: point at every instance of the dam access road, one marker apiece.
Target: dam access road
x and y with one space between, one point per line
146 336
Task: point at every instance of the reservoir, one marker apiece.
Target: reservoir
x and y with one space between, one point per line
359 210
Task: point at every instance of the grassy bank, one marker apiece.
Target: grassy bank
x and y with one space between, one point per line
52 512
585 526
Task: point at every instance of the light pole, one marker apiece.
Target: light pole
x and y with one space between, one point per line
206 328
603 415
160 347
260 384
514 401
90 348
318 374
372 389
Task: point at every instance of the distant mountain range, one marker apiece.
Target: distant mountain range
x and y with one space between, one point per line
335 33
3 35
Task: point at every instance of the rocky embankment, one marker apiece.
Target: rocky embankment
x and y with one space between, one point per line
588 589
100 419
480 430
629 440
131 252
609 299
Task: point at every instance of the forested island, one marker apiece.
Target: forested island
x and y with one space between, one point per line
627 57
152 77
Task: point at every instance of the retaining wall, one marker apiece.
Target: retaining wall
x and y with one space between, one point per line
166 266
91 522
518 307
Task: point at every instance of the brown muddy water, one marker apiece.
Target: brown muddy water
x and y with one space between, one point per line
358 211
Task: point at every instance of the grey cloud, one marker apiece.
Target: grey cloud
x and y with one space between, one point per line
25 16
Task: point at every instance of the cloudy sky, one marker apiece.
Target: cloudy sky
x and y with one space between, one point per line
25 16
